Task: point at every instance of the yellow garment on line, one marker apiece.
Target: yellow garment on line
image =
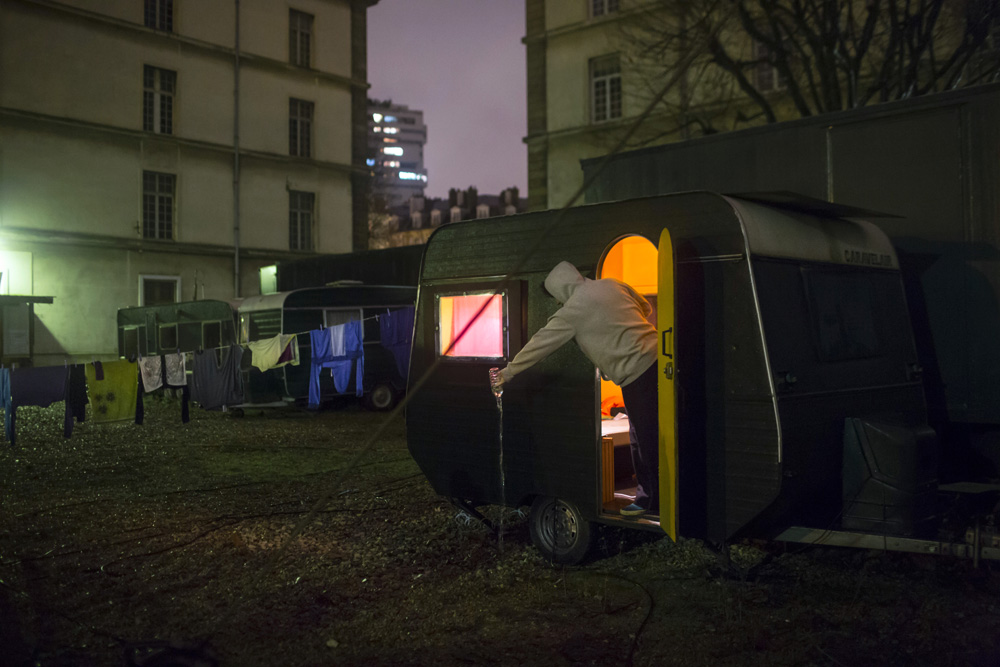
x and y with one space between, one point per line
114 397
270 353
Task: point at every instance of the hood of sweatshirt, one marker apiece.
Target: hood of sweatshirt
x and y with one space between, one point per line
562 281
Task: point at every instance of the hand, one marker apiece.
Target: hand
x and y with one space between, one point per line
496 378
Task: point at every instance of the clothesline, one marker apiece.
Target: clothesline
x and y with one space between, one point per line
116 387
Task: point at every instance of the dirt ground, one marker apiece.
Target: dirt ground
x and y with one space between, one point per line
169 544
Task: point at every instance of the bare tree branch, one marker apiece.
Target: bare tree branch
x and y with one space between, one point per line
823 55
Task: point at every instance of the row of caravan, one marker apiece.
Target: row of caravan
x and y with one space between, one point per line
211 324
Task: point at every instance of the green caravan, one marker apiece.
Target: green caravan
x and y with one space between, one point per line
175 327
790 396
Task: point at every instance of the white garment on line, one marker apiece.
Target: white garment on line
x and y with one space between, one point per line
176 369
337 348
150 368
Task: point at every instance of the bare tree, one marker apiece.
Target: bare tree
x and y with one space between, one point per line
803 57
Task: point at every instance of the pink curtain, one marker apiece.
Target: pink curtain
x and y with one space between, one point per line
485 337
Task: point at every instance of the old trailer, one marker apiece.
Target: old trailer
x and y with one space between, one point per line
790 395
301 310
175 327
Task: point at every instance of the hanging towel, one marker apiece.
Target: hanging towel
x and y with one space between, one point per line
214 383
114 397
175 370
151 372
396 332
338 348
274 352
35 386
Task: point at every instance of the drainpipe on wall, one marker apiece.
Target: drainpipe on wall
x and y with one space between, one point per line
236 157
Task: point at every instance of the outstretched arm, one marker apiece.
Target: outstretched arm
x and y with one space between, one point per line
546 340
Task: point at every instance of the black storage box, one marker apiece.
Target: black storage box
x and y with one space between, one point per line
889 477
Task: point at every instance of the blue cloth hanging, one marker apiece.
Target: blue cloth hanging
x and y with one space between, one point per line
338 348
396 332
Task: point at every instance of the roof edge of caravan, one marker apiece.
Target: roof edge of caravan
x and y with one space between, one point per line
786 233
764 229
182 311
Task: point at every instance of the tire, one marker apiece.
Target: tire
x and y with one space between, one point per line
559 531
382 397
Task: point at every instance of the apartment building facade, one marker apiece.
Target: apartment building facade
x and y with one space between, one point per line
164 150
571 53
396 138
582 95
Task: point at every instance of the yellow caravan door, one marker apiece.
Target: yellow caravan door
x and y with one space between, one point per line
668 404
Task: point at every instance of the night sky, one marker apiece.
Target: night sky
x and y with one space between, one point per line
461 62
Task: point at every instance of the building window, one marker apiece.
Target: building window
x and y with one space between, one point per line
300 114
300 27
603 7
765 75
158 205
158 86
301 210
159 15
483 336
605 89
156 290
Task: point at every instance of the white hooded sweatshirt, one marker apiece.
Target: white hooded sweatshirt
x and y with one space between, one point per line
606 317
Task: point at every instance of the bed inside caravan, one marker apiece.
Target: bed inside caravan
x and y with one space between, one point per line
633 260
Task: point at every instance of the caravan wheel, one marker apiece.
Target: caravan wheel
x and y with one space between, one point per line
382 397
559 531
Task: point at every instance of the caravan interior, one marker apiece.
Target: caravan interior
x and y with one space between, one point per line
632 260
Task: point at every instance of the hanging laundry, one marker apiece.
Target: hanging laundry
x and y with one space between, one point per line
217 382
175 369
34 386
140 408
76 392
5 402
396 332
113 389
166 370
338 348
151 372
274 352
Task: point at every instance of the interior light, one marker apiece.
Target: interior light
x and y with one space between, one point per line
392 150
377 117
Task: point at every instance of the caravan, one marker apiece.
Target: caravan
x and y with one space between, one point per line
789 389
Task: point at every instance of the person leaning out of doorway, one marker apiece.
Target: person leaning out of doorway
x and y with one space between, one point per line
608 320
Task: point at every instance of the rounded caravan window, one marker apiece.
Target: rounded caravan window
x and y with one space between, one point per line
632 260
